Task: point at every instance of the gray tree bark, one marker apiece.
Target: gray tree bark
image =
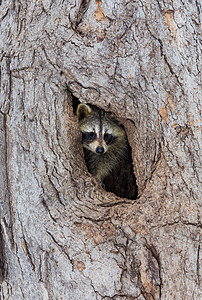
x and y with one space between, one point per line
62 235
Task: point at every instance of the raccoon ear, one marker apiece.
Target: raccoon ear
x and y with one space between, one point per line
113 118
83 111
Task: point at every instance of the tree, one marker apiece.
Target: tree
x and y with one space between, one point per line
62 235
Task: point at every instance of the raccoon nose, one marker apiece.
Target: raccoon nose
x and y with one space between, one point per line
99 150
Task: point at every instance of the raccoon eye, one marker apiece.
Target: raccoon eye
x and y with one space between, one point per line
92 135
108 138
89 135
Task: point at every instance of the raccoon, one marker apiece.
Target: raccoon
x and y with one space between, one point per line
104 140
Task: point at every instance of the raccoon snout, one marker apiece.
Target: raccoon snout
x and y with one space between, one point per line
99 150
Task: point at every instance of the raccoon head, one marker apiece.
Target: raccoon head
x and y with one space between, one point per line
100 130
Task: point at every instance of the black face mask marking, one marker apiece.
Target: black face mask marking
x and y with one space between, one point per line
88 137
109 138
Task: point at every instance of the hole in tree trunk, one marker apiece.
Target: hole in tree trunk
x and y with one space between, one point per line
121 181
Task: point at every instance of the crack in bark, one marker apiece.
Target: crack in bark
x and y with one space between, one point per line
154 164
2 256
175 158
5 84
27 252
47 209
124 201
102 219
7 199
156 255
18 259
5 14
180 222
25 248
84 5
124 268
186 132
56 192
44 275
62 249
6 290
82 10
198 265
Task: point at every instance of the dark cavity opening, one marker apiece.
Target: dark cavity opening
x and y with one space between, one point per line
121 181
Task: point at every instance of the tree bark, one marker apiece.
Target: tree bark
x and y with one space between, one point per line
62 235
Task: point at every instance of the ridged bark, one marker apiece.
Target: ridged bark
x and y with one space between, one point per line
62 236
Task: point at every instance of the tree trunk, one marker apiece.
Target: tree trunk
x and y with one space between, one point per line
62 235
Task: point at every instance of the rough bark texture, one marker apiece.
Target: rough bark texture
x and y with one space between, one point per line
62 235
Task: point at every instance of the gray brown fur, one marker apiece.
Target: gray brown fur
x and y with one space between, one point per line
101 125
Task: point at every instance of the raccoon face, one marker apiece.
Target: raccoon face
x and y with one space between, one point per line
99 131
97 139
